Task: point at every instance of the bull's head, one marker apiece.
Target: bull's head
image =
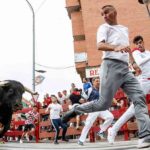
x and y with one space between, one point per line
11 94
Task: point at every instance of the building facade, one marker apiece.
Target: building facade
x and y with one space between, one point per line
86 18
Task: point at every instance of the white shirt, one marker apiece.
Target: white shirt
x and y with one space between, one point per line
115 35
55 110
65 97
143 61
86 96
61 100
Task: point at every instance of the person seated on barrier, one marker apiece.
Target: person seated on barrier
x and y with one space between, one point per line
55 110
45 116
75 99
92 94
30 123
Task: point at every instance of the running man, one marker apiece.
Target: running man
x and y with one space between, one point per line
113 40
93 94
142 58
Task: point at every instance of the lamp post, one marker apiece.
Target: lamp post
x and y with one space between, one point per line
33 30
40 71
146 2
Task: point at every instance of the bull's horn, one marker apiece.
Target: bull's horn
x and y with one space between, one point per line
3 83
29 90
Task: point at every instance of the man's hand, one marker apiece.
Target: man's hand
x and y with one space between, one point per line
122 49
137 69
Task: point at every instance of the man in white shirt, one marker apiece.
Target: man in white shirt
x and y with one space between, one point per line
142 58
61 98
113 40
65 94
107 116
55 110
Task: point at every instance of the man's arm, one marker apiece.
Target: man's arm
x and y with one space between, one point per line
108 47
105 46
47 109
140 60
102 35
134 64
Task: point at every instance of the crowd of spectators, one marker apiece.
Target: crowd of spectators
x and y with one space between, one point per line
72 98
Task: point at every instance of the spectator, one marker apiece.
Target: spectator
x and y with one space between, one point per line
47 99
60 98
65 95
73 86
86 84
55 110
30 122
75 99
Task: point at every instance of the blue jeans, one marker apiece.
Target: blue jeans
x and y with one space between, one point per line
56 124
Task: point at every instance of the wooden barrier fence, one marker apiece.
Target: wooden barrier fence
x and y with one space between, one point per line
41 128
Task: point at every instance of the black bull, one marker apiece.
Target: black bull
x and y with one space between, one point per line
10 101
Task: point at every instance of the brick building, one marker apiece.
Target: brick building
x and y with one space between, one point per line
85 16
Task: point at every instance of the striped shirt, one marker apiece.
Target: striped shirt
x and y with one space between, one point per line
31 117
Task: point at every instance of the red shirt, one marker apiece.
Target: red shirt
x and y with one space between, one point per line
47 101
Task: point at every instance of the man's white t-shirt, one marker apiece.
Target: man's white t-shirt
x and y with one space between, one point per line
61 100
115 35
143 61
55 110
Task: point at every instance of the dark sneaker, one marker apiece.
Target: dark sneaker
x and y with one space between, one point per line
65 140
80 143
56 142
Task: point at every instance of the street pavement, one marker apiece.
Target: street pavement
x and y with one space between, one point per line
72 145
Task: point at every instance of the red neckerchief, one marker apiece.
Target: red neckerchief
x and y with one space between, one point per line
135 49
76 92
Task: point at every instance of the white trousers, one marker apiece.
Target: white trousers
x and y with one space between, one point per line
124 118
106 115
145 84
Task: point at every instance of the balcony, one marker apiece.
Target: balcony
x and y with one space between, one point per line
80 57
72 6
